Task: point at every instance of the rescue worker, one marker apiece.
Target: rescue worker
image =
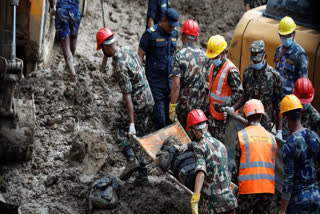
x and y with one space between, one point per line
67 22
212 176
225 87
156 9
310 117
262 82
158 43
255 162
290 59
301 155
188 90
179 158
138 101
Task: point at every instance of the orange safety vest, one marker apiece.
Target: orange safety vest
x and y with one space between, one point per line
257 161
220 91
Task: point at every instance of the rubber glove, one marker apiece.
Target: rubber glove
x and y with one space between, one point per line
194 203
172 111
132 129
279 134
182 148
228 110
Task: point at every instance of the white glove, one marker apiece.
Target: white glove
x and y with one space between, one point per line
132 129
181 148
279 134
228 110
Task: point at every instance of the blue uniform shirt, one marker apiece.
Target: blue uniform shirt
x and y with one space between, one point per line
68 4
291 65
300 154
156 9
159 47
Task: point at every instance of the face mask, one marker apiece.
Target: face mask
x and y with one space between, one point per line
259 65
305 106
216 62
287 42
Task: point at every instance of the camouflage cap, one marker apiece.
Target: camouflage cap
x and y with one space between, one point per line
257 51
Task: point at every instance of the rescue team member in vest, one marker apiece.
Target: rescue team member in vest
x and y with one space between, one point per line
67 21
301 158
158 43
262 82
156 9
310 117
138 102
188 90
212 176
225 87
255 162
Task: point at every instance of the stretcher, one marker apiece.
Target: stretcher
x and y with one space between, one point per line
152 143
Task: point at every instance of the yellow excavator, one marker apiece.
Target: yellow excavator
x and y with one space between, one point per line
27 34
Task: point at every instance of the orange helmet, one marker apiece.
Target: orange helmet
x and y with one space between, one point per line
190 27
303 89
195 117
102 35
253 106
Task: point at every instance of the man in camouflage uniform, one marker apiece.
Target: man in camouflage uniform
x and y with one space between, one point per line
188 76
138 101
212 176
301 154
262 82
310 117
223 77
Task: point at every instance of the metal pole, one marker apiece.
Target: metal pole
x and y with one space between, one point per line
13 48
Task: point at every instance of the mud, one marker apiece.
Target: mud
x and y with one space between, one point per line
73 143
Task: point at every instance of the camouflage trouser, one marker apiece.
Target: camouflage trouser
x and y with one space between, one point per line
305 201
216 128
143 126
264 203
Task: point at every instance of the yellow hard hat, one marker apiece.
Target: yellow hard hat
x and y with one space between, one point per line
286 25
290 102
215 46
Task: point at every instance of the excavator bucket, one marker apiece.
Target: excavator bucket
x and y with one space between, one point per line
16 134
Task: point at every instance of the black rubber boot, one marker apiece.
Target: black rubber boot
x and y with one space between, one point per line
142 177
131 166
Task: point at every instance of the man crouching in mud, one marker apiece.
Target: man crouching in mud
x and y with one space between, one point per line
178 158
137 99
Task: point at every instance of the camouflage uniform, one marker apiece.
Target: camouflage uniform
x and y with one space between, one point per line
132 79
264 85
300 155
291 65
216 127
189 66
211 158
310 118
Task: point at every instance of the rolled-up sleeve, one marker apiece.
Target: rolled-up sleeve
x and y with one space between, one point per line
236 86
200 160
302 65
145 41
152 9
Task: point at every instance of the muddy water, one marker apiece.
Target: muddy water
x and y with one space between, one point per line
73 139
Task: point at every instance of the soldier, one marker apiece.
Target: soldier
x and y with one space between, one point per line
158 43
224 84
156 9
212 176
255 162
138 101
67 21
290 59
188 75
262 82
300 191
310 117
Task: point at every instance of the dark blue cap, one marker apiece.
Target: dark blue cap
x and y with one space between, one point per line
172 17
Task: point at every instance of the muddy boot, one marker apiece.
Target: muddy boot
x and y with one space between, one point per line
132 164
142 178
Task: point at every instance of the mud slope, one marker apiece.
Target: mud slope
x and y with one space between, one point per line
73 140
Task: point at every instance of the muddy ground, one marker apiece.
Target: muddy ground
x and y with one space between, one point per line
73 142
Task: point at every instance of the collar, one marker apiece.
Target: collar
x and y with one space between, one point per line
116 54
222 63
161 31
254 123
189 44
290 49
205 135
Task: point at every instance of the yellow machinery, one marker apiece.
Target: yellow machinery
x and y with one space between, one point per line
262 24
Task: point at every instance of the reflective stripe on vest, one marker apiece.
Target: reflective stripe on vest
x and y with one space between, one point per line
220 91
256 174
